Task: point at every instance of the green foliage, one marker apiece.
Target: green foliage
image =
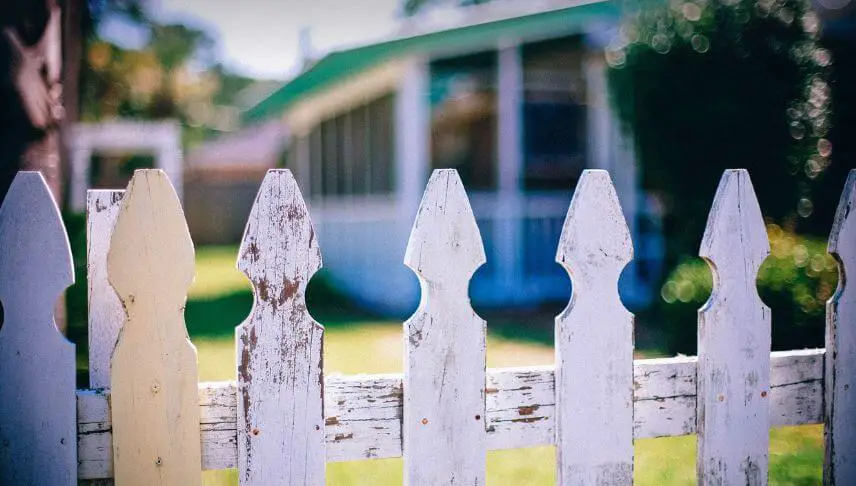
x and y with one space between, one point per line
706 85
795 282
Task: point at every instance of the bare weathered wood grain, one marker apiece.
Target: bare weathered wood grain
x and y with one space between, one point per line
734 342
444 372
363 412
840 413
594 342
37 365
154 372
280 411
105 309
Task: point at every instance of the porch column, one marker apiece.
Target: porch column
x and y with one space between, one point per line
412 136
508 235
301 164
80 159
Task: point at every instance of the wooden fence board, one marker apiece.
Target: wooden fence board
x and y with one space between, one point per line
154 372
37 364
594 342
105 309
444 372
279 348
363 412
840 459
734 342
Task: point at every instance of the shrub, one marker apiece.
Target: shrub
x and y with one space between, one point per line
795 282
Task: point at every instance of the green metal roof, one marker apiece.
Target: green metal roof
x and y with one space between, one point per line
340 65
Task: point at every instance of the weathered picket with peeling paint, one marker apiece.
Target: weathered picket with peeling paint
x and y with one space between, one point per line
734 342
594 342
443 428
840 399
280 412
446 410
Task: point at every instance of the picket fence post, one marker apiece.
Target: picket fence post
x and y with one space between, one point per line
38 419
279 347
840 372
154 382
444 435
594 341
105 309
734 341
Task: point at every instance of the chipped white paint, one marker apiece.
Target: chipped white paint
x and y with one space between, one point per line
280 413
37 412
444 372
363 412
594 342
840 460
105 309
150 264
734 342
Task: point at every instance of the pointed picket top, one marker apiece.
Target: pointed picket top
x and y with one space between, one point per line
154 400
38 409
734 342
840 384
594 341
31 225
445 239
443 429
279 347
595 237
735 227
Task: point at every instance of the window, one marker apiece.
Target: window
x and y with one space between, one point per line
351 154
554 114
463 118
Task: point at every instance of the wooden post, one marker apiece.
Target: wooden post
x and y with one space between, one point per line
38 443
444 375
840 374
734 342
105 309
155 406
594 342
279 348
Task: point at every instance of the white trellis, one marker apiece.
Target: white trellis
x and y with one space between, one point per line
283 419
161 138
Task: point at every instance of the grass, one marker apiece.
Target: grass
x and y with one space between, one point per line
356 342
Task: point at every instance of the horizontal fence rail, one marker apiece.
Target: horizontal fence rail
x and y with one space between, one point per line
147 420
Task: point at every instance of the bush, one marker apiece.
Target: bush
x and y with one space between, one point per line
795 282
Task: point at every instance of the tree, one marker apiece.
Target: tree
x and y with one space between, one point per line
701 86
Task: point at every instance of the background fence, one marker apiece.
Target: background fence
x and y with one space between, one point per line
147 420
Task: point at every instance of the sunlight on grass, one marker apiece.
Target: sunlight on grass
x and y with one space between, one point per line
216 274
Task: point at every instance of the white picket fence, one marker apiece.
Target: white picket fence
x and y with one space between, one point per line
148 421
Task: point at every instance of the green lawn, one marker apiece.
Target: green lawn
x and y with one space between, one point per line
356 343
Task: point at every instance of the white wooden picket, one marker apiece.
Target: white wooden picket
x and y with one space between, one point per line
147 420
105 309
594 342
840 462
734 342
37 365
280 412
444 371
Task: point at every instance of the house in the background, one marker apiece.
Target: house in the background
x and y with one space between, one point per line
512 95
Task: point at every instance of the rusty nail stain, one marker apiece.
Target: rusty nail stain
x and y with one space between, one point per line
478 417
721 398
317 427
425 421
256 431
155 388
158 462
763 394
